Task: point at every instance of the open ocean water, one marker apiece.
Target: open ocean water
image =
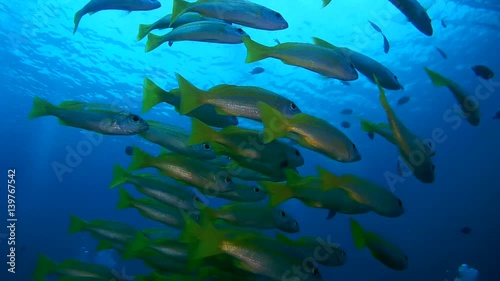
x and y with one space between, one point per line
62 171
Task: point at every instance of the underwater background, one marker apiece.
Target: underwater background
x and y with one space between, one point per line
103 63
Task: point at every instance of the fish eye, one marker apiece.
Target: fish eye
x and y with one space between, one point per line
315 271
240 31
395 78
228 180
135 118
297 152
343 253
293 106
206 146
278 15
400 203
283 214
354 146
256 189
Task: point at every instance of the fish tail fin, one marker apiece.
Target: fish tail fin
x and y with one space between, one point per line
278 192
125 200
269 117
120 176
154 41
144 29
201 133
326 2
43 267
358 234
151 95
41 108
255 51
368 126
77 18
437 79
140 159
179 7
191 97
132 248
208 214
209 243
76 224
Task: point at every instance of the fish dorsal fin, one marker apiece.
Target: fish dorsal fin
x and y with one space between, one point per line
323 43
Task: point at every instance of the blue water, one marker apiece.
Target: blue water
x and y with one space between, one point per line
103 63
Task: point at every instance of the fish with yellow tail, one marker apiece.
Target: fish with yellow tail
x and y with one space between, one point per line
327 62
309 132
241 12
95 6
384 251
468 103
411 148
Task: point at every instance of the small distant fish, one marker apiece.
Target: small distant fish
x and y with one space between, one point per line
371 135
129 150
345 125
497 115
375 27
277 41
95 6
483 72
466 230
346 111
387 46
403 100
386 42
442 53
443 23
257 70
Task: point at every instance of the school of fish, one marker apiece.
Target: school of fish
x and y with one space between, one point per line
219 158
